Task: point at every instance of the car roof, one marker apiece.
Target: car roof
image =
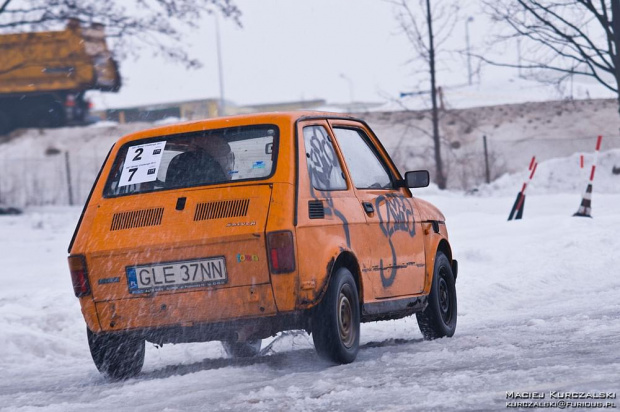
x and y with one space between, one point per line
232 121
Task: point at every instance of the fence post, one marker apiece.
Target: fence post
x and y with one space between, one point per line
486 159
69 186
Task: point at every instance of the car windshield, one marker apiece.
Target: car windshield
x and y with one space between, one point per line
195 159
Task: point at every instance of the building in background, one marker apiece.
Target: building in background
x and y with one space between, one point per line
199 109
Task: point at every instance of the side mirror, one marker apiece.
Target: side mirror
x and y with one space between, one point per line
418 178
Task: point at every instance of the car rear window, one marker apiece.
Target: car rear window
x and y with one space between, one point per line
193 159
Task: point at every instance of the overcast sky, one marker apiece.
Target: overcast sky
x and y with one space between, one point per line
335 50
285 51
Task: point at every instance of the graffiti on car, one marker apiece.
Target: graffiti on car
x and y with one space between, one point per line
323 164
395 215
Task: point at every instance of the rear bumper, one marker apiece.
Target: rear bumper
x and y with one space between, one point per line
183 308
233 330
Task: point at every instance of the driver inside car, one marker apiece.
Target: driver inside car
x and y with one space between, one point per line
210 161
220 151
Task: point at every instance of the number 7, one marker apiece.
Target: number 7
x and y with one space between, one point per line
132 172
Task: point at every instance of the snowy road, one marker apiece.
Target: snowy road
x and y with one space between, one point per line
539 310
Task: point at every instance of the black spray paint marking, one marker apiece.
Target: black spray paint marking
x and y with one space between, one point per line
322 160
397 217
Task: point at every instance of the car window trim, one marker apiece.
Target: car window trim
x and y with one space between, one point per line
190 134
331 121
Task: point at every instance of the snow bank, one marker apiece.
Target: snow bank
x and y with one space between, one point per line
33 163
562 175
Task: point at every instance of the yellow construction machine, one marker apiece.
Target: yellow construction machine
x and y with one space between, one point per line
45 75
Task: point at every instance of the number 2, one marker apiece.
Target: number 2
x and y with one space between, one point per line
138 154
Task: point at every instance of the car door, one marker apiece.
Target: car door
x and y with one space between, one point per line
327 211
394 248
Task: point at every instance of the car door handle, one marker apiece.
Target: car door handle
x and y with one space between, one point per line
368 207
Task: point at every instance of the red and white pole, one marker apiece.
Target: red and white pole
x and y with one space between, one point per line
585 209
532 169
517 208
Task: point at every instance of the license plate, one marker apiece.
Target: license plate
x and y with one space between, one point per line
177 275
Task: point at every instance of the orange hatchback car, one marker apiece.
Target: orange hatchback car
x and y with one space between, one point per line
237 228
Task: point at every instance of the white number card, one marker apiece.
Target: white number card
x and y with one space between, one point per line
142 163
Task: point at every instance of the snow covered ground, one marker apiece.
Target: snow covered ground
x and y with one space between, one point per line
539 310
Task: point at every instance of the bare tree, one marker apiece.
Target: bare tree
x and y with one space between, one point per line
426 29
566 37
158 25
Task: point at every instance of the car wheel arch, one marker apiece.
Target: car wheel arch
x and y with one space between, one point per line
346 259
434 246
444 247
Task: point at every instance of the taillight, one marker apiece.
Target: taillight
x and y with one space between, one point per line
281 252
79 275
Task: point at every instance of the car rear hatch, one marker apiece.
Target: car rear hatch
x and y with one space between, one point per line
181 257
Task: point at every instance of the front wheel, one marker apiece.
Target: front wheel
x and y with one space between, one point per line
336 321
117 356
439 317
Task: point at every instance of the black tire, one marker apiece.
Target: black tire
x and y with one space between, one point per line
247 349
439 318
6 125
117 356
57 115
336 320
49 114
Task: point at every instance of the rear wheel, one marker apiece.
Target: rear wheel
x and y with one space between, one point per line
118 356
336 321
439 317
247 349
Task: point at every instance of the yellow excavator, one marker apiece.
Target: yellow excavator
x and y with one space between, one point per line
45 75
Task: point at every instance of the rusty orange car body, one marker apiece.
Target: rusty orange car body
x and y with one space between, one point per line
169 257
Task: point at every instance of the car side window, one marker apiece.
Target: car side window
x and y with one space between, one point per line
323 164
366 169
